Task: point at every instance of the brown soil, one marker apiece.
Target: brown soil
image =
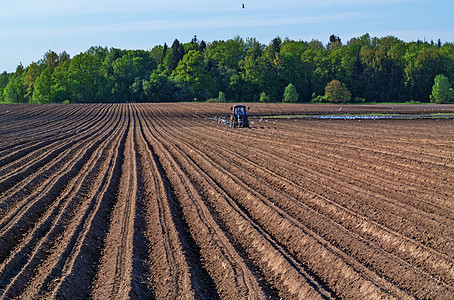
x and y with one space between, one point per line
164 201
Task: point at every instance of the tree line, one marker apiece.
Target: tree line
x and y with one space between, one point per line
365 69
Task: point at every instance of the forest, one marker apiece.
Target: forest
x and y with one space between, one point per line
363 69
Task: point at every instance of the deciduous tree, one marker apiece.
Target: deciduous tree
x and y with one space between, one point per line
14 91
84 79
442 91
191 69
33 71
336 92
290 94
4 78
264 97
43 87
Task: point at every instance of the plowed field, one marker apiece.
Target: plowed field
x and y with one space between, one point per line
163 201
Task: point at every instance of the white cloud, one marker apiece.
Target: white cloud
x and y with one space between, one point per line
47 8
178 24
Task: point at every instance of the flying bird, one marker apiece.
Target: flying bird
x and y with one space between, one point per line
242 5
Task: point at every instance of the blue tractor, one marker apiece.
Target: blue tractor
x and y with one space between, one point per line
239 118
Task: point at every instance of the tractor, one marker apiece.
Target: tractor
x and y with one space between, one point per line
239 118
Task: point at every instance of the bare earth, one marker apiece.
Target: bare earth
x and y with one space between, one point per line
164 201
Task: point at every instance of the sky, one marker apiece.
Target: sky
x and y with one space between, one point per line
29 28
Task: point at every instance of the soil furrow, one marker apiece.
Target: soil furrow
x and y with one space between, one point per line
316 244
41 245
43 206
164 201
49 184
432 261
310 179
268 253
232 277
171 277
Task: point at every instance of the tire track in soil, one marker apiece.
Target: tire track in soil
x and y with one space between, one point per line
327 151
345 241
46 135
430 260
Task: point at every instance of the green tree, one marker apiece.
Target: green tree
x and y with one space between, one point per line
222 62
128 73
442 90
377 69
50 59
9 94
33 71
421 72
319 68
290 94
4 78
85 82
291 64
264 97
334 41
336 92
60 82
191 70
63 56
376 75
307 72
172 58
227 54
238 87
447 51
221 96
254 72
158 88
43 87
98 51
290 68
137 90
107 63
14 92
158 53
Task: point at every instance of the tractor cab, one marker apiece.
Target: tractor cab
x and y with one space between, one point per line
239 116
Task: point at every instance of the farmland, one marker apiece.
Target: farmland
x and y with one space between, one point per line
165 201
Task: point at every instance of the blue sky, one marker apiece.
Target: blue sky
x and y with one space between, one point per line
28 28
